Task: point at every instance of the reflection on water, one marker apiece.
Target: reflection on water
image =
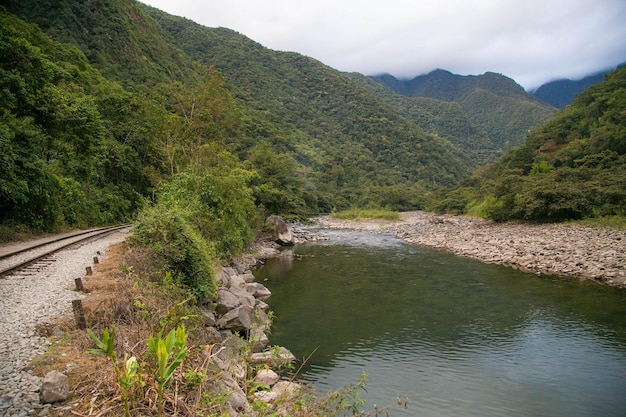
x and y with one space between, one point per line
459 337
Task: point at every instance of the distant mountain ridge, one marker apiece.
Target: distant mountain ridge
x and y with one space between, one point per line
573 166
560 93
444 85
495 105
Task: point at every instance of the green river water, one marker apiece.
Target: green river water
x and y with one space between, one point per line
458 337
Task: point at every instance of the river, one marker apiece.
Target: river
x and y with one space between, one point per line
456 336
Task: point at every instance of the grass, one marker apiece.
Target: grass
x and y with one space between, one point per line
355 214
617 222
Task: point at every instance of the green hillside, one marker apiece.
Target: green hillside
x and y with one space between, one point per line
115 36
571 167
317 107
444 118
73 146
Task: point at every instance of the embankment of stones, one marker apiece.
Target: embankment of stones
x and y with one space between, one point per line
238 313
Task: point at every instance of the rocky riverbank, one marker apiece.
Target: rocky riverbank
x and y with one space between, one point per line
593 253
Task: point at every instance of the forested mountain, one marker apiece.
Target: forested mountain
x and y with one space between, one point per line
561 93
73 146
497 108
571 167
116 37
444 118
104 102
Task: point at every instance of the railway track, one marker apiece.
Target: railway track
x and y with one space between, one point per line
32 257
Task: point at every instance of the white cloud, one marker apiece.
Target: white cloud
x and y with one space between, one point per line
531 41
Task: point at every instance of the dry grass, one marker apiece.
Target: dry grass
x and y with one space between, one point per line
114 299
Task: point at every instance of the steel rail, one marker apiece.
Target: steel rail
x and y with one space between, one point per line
88 235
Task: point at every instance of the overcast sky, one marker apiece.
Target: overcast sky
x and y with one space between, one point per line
531 41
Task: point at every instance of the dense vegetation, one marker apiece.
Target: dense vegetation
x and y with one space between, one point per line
571 167
351 146
73 146
312 135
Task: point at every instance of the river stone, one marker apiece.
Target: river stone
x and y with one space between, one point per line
260 291
261 321
247 276
244 297
273 358
229 271
237 398
259 339
239 319
55 388
223 278
261 306
266 377
212 335
226 301
208 316
286 389
236 281
266 396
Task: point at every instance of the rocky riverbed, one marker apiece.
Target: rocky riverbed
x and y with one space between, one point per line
594 253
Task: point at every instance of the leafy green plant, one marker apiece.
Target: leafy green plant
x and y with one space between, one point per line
169 354
128 376
178 248
106 345
194 378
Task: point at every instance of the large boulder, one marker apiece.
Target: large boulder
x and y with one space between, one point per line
259 339
245 297
236 397
258 290
286 389
266 377
223 277
283 237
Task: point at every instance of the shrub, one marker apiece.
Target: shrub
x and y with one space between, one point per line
178 249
